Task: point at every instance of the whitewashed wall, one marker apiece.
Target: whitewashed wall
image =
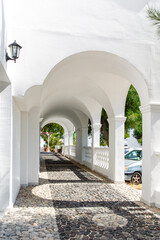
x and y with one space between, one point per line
5 119
5 147
111 26
4 80
15 165
2 34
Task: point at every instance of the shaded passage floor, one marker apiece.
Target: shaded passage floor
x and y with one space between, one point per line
71 203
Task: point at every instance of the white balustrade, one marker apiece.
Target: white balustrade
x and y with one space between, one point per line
65 150
88 154
72 150
102 157
69 151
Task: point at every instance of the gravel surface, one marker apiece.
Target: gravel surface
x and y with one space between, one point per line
71 203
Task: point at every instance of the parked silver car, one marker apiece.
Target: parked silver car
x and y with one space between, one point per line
133 166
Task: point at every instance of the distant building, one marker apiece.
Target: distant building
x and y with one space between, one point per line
132 141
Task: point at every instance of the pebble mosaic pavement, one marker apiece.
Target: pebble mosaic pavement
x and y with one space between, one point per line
71 203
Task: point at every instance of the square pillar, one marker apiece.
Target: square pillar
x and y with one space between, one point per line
70 142
24 149
70 137
116 148
84 141
95 140
79 145
33 146
66 144
151 154
66 138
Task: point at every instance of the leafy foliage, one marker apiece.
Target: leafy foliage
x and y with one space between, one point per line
55 132
89 127
133 114
74 138
104 137
154 16
134 118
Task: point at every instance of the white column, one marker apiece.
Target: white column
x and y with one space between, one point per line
24 148
70 140
96 134
66 139
16 152
79 145
116 148
70 137
84 141
66 144
95 140
33 146
151 155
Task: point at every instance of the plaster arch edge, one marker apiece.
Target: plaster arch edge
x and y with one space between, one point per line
58 121
28 100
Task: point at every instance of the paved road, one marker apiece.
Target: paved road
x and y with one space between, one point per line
71 203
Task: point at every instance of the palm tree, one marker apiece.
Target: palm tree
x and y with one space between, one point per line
154 15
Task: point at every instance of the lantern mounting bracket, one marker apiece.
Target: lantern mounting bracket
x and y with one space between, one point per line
8 58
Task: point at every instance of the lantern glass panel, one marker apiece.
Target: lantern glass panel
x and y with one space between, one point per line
14 51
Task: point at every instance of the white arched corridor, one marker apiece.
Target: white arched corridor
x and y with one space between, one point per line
73 63
75 91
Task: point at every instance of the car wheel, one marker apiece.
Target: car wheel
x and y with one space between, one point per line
136 178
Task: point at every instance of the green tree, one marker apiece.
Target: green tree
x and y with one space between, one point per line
55 139
104 137
134 118
133 114
74 138
154 16
55 132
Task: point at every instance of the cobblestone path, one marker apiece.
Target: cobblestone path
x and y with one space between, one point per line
71 203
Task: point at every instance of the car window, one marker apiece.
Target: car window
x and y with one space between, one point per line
135 155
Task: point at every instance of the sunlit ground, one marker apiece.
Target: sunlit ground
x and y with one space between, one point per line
138 187
72 203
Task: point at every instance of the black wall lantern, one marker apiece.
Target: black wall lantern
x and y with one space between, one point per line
15 50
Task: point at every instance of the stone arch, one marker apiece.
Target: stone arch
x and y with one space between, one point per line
80 85
65 123
90 74
90 64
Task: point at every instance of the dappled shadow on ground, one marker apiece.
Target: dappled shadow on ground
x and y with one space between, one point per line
80 197
70 169
79 221
85 207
